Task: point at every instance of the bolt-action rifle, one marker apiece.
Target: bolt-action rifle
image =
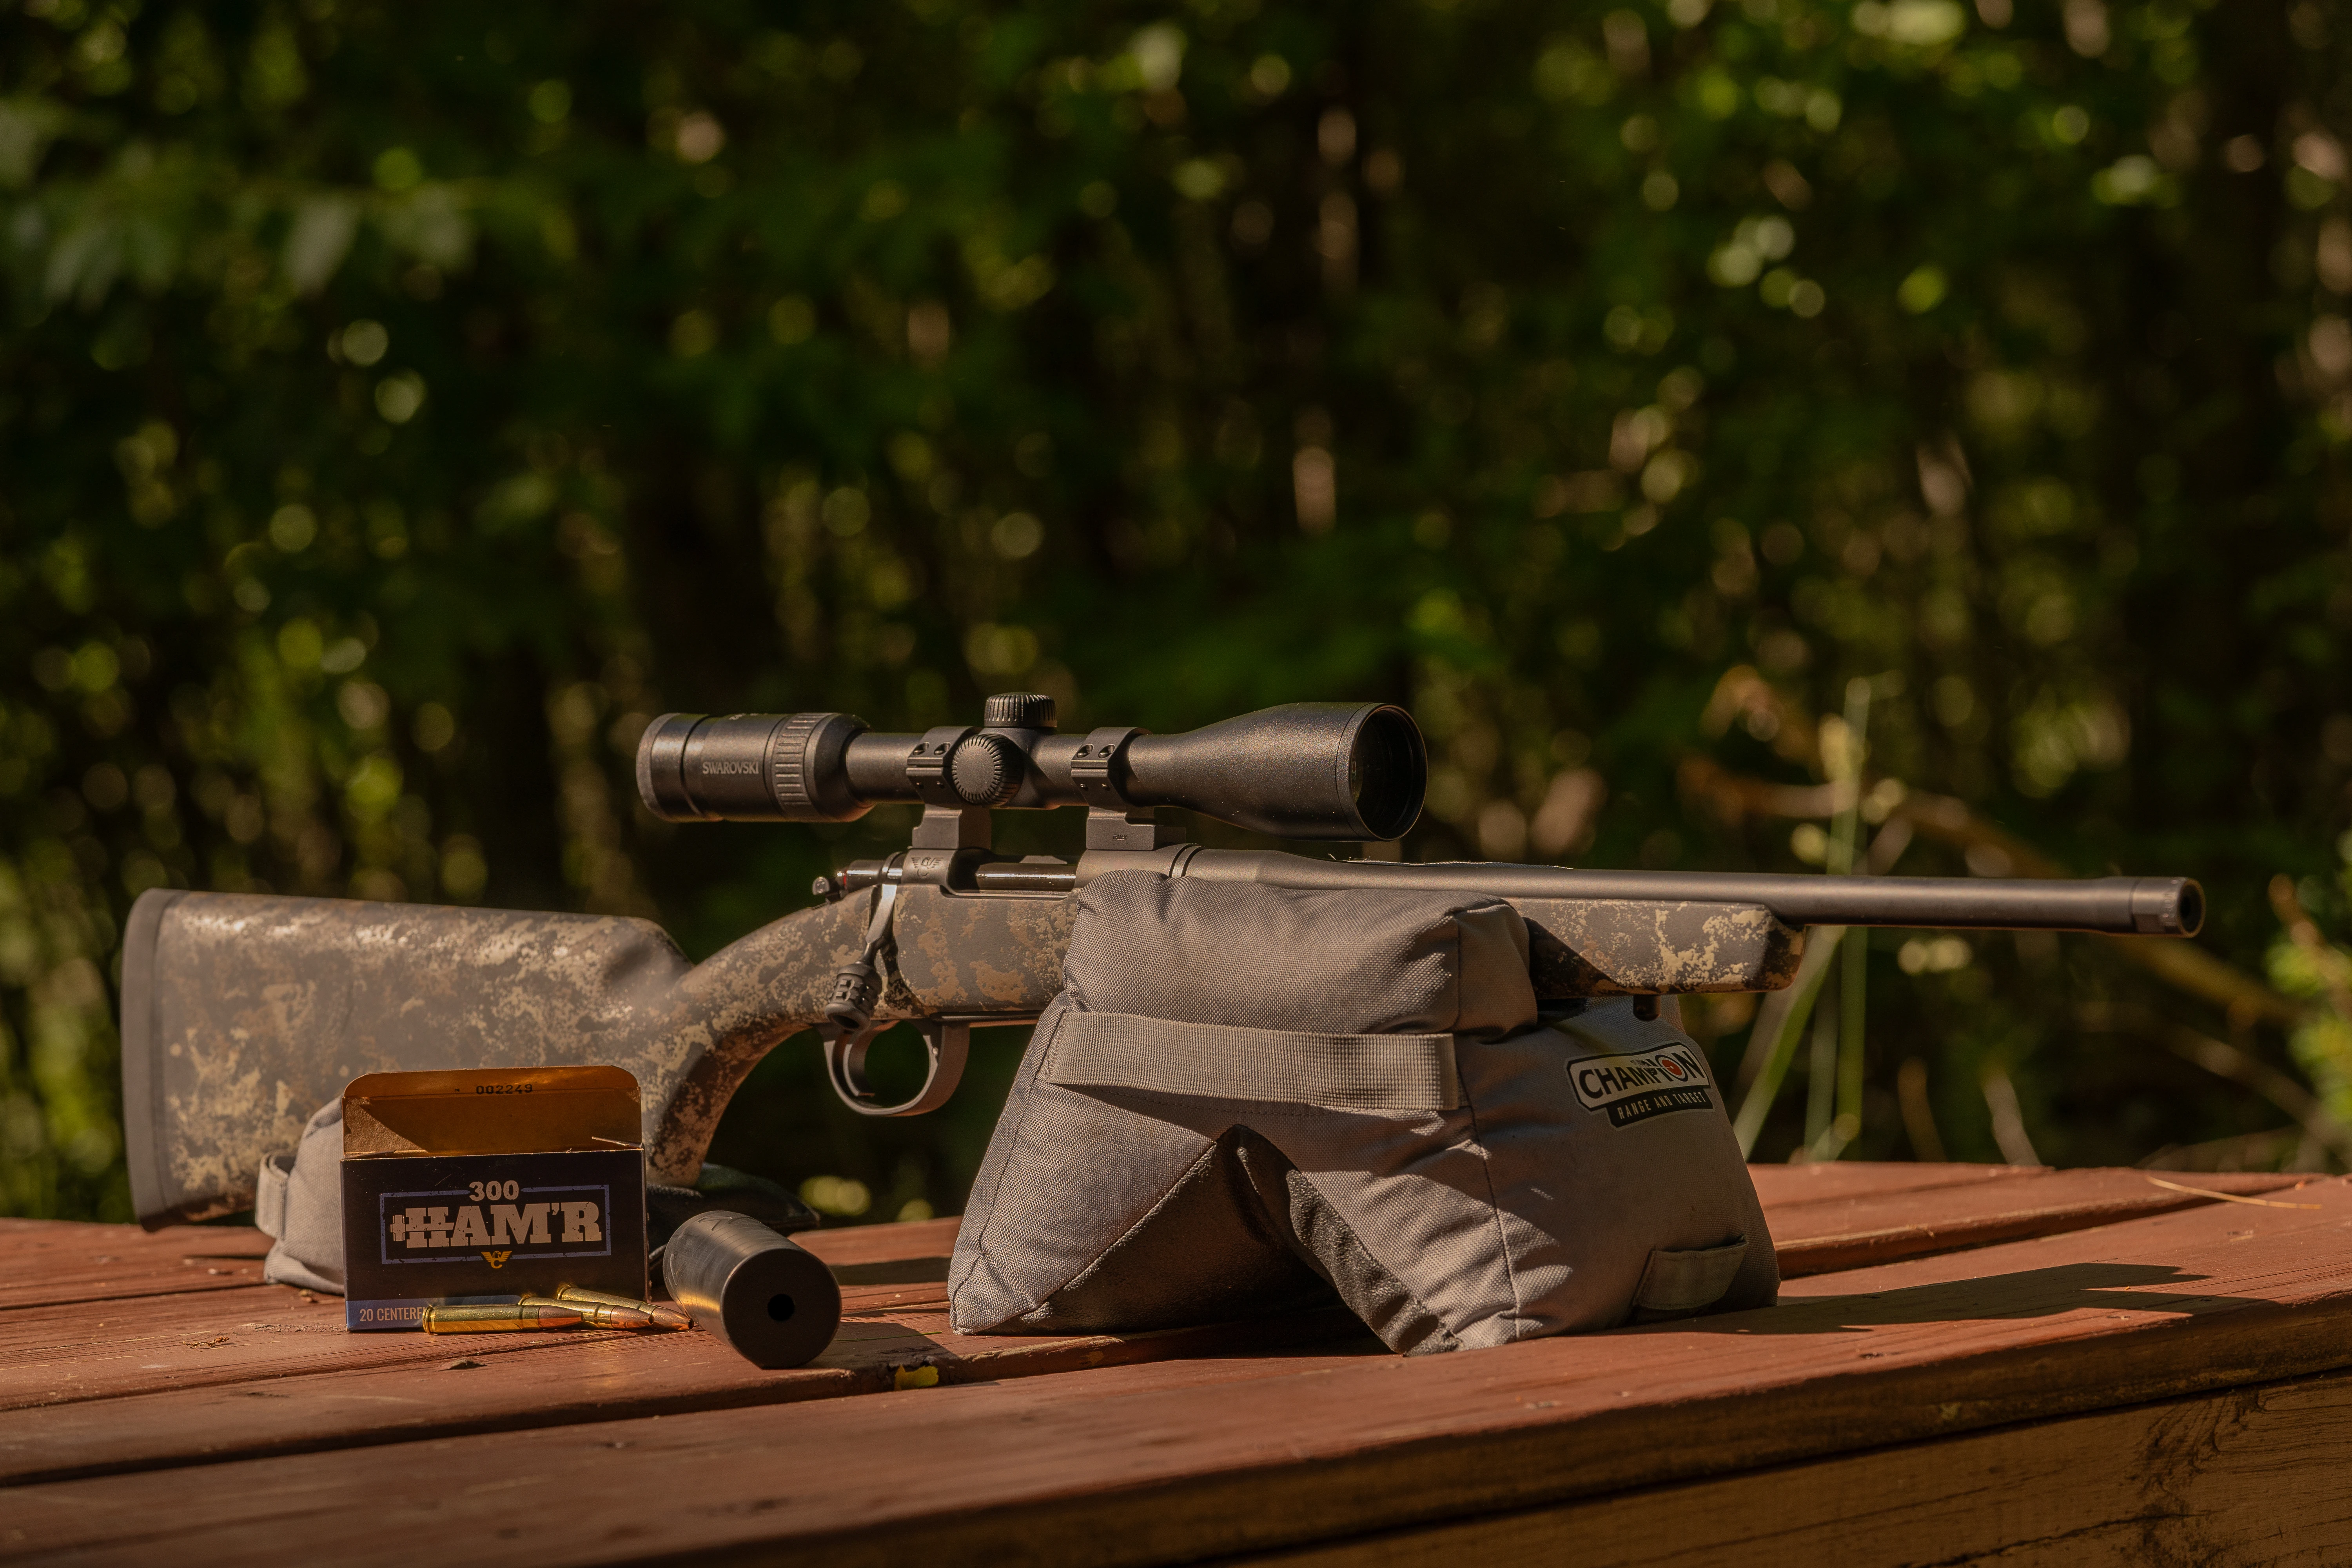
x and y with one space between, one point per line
244 1013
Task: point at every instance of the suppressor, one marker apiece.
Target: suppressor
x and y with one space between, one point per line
774 1302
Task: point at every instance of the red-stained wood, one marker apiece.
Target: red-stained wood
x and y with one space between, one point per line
492 1383
158 1380
2250 1477
53 1355
174 1326
1143 1463
52 1262
60 1262
1819 1236
190 1360
853 1245
1785 1187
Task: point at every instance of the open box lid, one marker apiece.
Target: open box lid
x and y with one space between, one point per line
492 1110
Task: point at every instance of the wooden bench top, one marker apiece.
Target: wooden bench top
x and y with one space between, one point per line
2084 1364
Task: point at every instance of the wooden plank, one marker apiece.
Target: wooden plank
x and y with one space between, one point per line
58 1262
50 1262
164 1380
191 1362
1130 1465
1823 1216
452 1388
216 1330
60 1354
1785 1187
1811 1208
869 1244
33 1237
1817 1237
2251 1477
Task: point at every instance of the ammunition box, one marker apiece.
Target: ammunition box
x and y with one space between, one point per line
484 1186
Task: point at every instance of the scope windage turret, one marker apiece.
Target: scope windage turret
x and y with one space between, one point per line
1305 770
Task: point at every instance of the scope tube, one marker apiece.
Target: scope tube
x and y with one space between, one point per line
751 767
2119 906
1304 770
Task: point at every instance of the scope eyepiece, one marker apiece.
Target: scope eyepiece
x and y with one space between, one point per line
748 767
1306 770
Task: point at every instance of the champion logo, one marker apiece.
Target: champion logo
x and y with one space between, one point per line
1633 1086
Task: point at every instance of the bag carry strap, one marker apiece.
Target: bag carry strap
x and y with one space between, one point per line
1219 1061
1680 1284
269 1194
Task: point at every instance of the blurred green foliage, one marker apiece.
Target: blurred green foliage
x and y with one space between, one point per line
399 404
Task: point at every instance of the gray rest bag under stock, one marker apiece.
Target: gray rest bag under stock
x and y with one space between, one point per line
299 1205
1248 1097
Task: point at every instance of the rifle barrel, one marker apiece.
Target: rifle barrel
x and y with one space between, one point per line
2122 906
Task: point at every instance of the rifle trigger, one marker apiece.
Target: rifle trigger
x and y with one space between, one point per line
946 1041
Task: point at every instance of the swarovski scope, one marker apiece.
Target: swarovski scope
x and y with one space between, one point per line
1305 770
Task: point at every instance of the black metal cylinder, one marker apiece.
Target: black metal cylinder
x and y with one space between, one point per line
775 1303
748 767
1305 770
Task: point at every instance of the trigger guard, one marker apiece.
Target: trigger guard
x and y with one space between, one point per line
947 1044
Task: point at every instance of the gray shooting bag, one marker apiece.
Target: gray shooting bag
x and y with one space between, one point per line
1248 1097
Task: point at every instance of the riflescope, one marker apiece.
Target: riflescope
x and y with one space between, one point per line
1304 770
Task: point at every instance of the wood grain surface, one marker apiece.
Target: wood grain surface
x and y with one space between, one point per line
1785 1187
1951 1332
1177 1458
1823 1233
50 1264
2246 1478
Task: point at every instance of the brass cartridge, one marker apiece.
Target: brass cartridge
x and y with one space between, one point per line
517 1319
597 1315
662 1314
